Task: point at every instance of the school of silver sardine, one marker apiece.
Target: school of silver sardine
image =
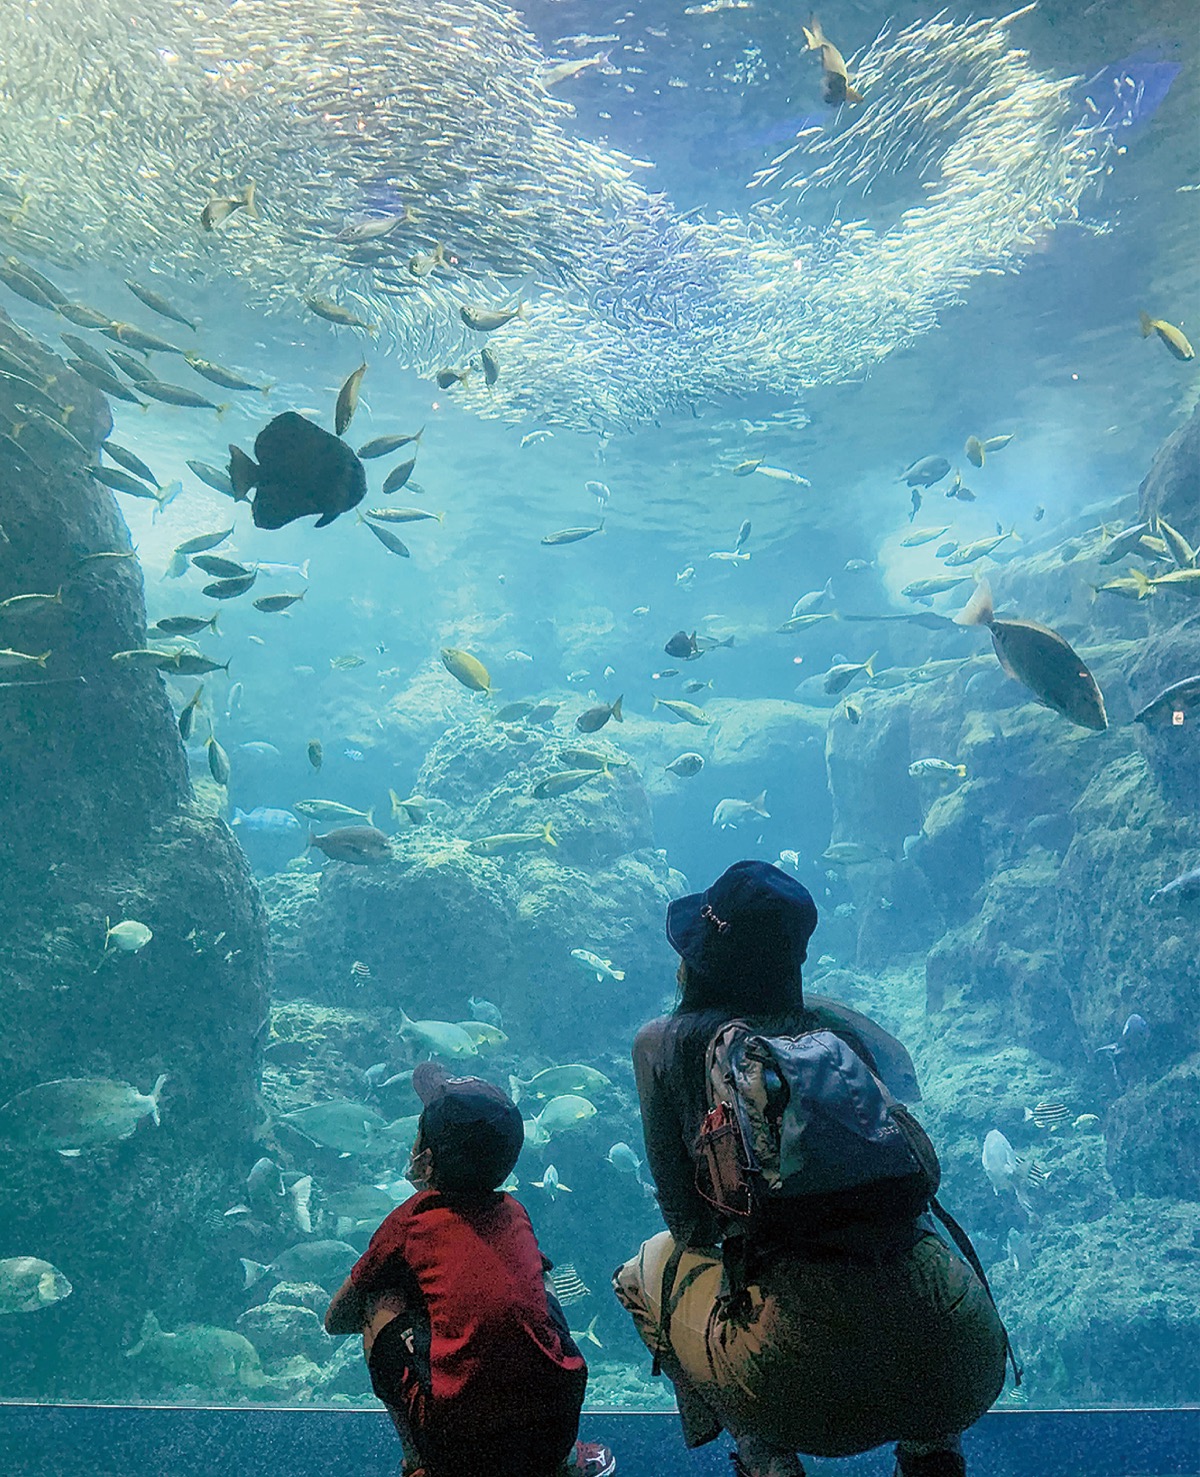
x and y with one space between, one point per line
411 162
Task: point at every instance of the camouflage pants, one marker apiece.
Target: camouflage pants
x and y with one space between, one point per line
832 1358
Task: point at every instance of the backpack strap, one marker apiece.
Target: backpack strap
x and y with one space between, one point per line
963 1242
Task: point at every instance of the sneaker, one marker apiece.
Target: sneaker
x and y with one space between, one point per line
591 1459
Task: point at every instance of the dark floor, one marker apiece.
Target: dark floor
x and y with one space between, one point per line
104 1441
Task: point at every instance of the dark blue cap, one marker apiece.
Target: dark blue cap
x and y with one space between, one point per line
755 921
473 1129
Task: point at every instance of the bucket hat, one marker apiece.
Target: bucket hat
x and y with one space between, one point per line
754 919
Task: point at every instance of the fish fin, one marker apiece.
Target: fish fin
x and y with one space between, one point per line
243 473
324 520
978 610
961 771
70 1153
759 802
155 1094
250 201
814 36
212 626
1147 324
299 1194
618 974
548 835
616 708
868 668
254 1272
852 94
1143 582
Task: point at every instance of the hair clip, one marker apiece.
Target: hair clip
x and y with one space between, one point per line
707 912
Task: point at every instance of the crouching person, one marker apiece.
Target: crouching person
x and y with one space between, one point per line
465 1344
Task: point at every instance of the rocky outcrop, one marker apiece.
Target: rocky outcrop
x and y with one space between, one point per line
99 825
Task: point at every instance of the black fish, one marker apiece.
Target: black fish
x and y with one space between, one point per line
301 470
682 646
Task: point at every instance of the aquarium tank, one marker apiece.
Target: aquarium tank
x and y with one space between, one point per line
471 472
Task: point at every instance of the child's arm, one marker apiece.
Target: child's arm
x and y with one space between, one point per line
347 1313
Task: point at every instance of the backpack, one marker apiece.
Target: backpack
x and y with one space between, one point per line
802 1136
800 1130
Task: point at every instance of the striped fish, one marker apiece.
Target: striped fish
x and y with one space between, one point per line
1048 1114
568 1286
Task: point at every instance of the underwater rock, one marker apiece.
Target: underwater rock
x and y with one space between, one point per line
279 1330
1172 750
1171 488
345 1374
99 824
1153 1135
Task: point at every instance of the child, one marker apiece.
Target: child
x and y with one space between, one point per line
466 1346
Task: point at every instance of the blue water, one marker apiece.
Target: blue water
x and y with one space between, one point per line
706 349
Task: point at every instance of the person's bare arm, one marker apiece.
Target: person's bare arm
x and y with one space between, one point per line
347 1313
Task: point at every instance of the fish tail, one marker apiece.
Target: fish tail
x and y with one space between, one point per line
814 36
250 201
253 1271
618 974
1147 324
514 1088
212 626
616 709
760 803
371 816
852 94
41 660
961 771
548 835
978 609
868 668
1145 585
150 1329
155 1095
266 390
223 410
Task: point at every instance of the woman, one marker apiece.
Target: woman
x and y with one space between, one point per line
866 1331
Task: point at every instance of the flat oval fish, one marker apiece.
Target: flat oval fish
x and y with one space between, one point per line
301 470
74 1113
1039 658
28 1284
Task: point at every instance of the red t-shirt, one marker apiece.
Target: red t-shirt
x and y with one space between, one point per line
497 1355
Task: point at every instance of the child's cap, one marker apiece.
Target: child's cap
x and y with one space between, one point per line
474 1130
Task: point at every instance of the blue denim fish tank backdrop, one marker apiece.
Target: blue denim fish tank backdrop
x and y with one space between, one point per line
470 475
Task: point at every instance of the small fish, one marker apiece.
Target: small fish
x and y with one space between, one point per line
315 752
398 476
186 625
513 841
781 474
850 853
743 469
103 379
226 378
218 761
423 262
444 378
1174 338
566 780
593 964
332 812
349 662
178 395
926 471
588 759
28 1284
595 718
272 603
969 553
975 451
551 1183
935 585
836 87
467 669
388 539
10 659
1087 1122
1173 706
361 845
921 767
568 1286
385 445
342 317
220 208
74 1113
689 712
921 536
534 438
159 304
187 717
1048 1114
213 477
490 365
842 674
347 400
686 765
83 316
485 1011
230 589
729 814
487 320
572 535
1182 889
220 568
